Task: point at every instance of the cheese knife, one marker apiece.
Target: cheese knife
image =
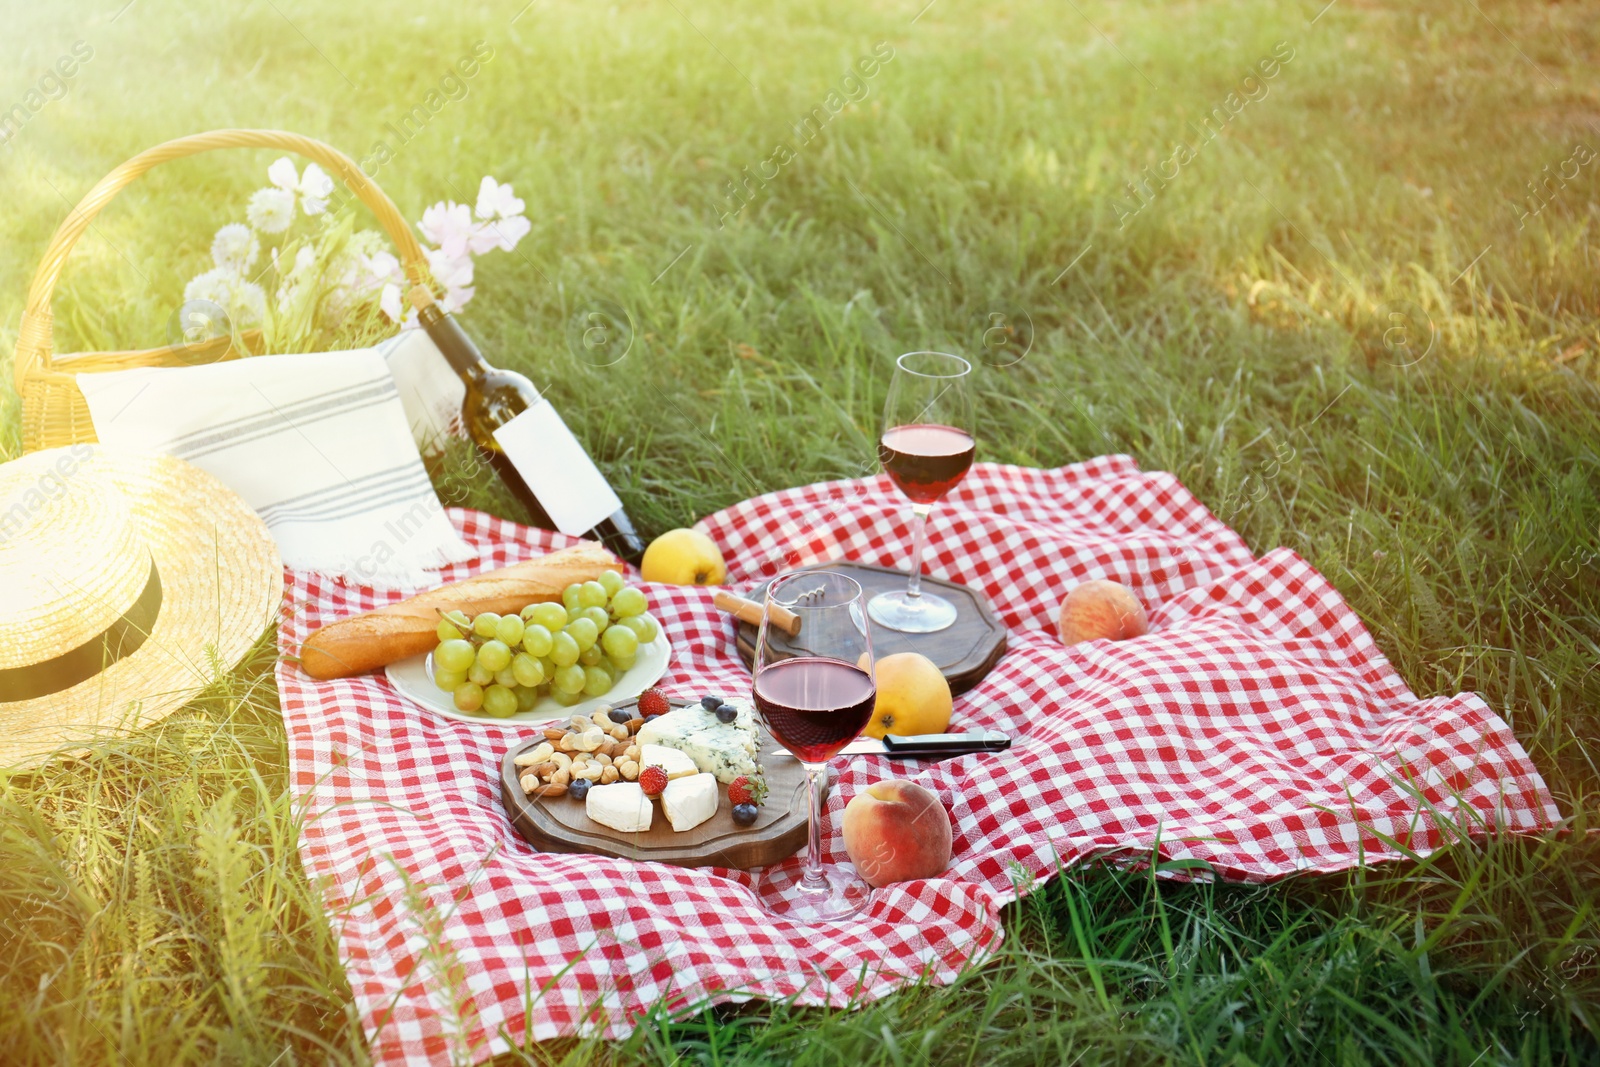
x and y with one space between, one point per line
929 746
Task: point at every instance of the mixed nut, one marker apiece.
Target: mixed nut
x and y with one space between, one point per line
593 749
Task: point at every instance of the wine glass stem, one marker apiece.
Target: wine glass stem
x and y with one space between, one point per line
817 787
919 538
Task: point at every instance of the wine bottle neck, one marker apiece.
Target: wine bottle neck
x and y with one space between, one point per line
453 343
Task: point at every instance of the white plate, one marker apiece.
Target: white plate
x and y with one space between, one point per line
414 681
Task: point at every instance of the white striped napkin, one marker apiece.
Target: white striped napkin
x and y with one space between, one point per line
318 444
430 389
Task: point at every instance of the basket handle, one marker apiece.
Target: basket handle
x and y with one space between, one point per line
35 339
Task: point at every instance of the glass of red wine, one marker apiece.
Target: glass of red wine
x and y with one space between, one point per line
815 692
926 449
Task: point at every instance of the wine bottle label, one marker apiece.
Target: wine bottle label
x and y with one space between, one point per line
557 468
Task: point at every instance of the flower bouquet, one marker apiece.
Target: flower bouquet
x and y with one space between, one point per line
327 284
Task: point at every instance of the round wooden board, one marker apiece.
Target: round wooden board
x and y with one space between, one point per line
965 651
560 824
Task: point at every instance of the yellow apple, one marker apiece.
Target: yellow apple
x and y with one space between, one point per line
913 697
683 557
895 831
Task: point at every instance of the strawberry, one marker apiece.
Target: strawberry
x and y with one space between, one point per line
747 790
653 780
653 702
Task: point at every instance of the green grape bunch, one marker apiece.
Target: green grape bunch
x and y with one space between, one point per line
498 665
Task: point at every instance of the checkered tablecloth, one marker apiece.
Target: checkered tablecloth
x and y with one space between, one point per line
1256 727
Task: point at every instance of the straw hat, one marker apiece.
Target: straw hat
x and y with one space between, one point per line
127 582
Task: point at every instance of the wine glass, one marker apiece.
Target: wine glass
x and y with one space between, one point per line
815 692
926 448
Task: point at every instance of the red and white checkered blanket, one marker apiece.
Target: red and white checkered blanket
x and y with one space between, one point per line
1256 727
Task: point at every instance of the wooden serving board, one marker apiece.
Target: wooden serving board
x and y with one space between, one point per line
965 651
560 824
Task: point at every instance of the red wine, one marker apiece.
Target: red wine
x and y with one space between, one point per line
926 460
814 706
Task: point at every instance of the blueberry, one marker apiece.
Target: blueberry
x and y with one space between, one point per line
651 718
710 703
727 713
578 788
620 715
743 814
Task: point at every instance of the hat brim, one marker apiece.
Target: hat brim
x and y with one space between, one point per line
221 585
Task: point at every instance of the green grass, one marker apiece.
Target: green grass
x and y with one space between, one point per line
1233 332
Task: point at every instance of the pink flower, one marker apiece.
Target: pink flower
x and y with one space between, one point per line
454 274
496 201
503 224
448 225
499 233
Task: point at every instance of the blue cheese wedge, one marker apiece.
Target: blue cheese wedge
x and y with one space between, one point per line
621 806
690 801
725 750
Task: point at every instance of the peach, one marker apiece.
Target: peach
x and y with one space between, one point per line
1101 608
896 831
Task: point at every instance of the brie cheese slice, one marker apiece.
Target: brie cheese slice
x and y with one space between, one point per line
621 806
677 764
690 801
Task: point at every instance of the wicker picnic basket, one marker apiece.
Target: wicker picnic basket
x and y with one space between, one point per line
54 412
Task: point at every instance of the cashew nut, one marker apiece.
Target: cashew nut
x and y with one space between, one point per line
589 740
536 755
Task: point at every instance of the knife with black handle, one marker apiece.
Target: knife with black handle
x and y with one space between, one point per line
929 746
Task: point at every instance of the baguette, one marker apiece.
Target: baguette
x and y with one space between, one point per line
365 642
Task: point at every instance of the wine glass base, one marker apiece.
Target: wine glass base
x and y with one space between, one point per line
842 896
924 614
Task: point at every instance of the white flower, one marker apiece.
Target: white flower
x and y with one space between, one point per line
215 285
283 174
448 225
300 273
235 247
311 190
249 305
496 201
499 233
315 188
245 302
305 257
389 302
270 210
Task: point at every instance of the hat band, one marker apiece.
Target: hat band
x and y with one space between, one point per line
122 638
